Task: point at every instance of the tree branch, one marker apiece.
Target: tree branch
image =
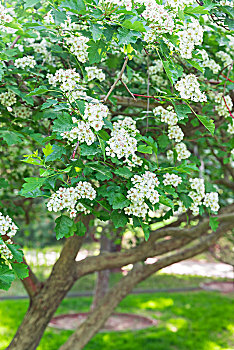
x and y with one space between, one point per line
117 80
98 317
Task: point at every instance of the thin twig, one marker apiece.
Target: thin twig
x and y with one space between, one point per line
126 87
117 80
15 41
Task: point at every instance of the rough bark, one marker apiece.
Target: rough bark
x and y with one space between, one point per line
99 316
102 282
45 303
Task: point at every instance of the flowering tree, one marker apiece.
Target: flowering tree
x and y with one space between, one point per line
119 111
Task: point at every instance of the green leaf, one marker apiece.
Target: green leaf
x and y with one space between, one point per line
214 223
187 201
7 276
163 140
145 149
76 6
20 269
38 91
96 30
196 10
181 111
30 3
63 123
124 172
47 150
4 183
63 226
127 36
119 201
208 123
103 172
145 228
11 137
16 252
96 51
166 201
195 65
57 152
134 25
50 102
91 150
119 219
32 183
173 71
80 229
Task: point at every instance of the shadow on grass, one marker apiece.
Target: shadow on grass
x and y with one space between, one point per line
196 321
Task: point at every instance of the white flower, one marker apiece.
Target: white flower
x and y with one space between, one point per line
66 198
94 73
182 151
189 89
144 188
8 98
175 132
167 115
7 229
212 200
172 179
26 61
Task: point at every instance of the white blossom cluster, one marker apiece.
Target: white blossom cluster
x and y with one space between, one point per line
66 198
94 73
224 57
167 115
49 18
200 197
8 98
22 111
123 142
42 48
176 133
144 188
160 20
77 45
82 133
191 34
172 179
211 200
209 63
7 227
5 16
227 3
26 61
67 79
93 118
230 129
95 114
126 3
182 151
189 89
220 105
157 67
176 4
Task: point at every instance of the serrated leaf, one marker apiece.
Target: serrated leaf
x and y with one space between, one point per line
187 201
144 149
124 172
38 91
80 229
20 269
127 36
119 219
119 201
96 50
11 137
76 6
7 276
214 223
30 3
57 152
32 183
63 123
47 150
63 226
16 252
166 201
181 111
208 123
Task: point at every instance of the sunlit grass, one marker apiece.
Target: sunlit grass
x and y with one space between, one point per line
192 321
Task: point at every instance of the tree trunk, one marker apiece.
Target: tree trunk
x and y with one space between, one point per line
44 304
102 283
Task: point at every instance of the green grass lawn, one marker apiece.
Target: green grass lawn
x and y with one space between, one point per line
187 321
